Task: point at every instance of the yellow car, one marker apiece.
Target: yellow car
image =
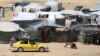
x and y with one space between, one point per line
28 46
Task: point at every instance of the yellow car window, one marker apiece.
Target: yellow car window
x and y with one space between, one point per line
24 42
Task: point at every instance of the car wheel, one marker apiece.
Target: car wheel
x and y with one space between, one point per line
20 49
42 49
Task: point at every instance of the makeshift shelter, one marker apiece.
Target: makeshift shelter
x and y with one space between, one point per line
71 12
86 10
51 16
33 6
54 5
17 10
98 16
82 9
25 18
42 26
30 18
31 22
7 30
60 22
44 23
45 19
89 34
70 17
19 7
59 16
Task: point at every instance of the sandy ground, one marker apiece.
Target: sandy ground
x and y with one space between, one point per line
56 49
73 3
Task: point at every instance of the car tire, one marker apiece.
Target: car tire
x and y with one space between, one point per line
41 49
20 49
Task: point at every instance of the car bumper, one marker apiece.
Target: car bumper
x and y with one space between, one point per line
13 48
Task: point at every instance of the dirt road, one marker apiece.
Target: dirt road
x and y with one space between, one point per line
56 49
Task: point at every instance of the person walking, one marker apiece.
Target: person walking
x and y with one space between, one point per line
72 44
12 40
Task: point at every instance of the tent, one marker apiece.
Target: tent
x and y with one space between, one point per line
49 21
72 12
52 15
87 33
55 6
97 12
34 6
98 16
25 18
44 23
17 10
9 27
7 30
59 16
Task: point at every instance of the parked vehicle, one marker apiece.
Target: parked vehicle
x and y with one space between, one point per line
27 45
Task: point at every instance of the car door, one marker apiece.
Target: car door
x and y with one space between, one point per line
26 46
34 46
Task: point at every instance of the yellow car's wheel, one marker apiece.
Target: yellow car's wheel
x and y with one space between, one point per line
42 49
20 49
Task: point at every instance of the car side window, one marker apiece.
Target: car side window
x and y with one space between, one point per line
32 42
24 42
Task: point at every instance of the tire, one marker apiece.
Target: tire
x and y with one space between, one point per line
41 49
20 49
